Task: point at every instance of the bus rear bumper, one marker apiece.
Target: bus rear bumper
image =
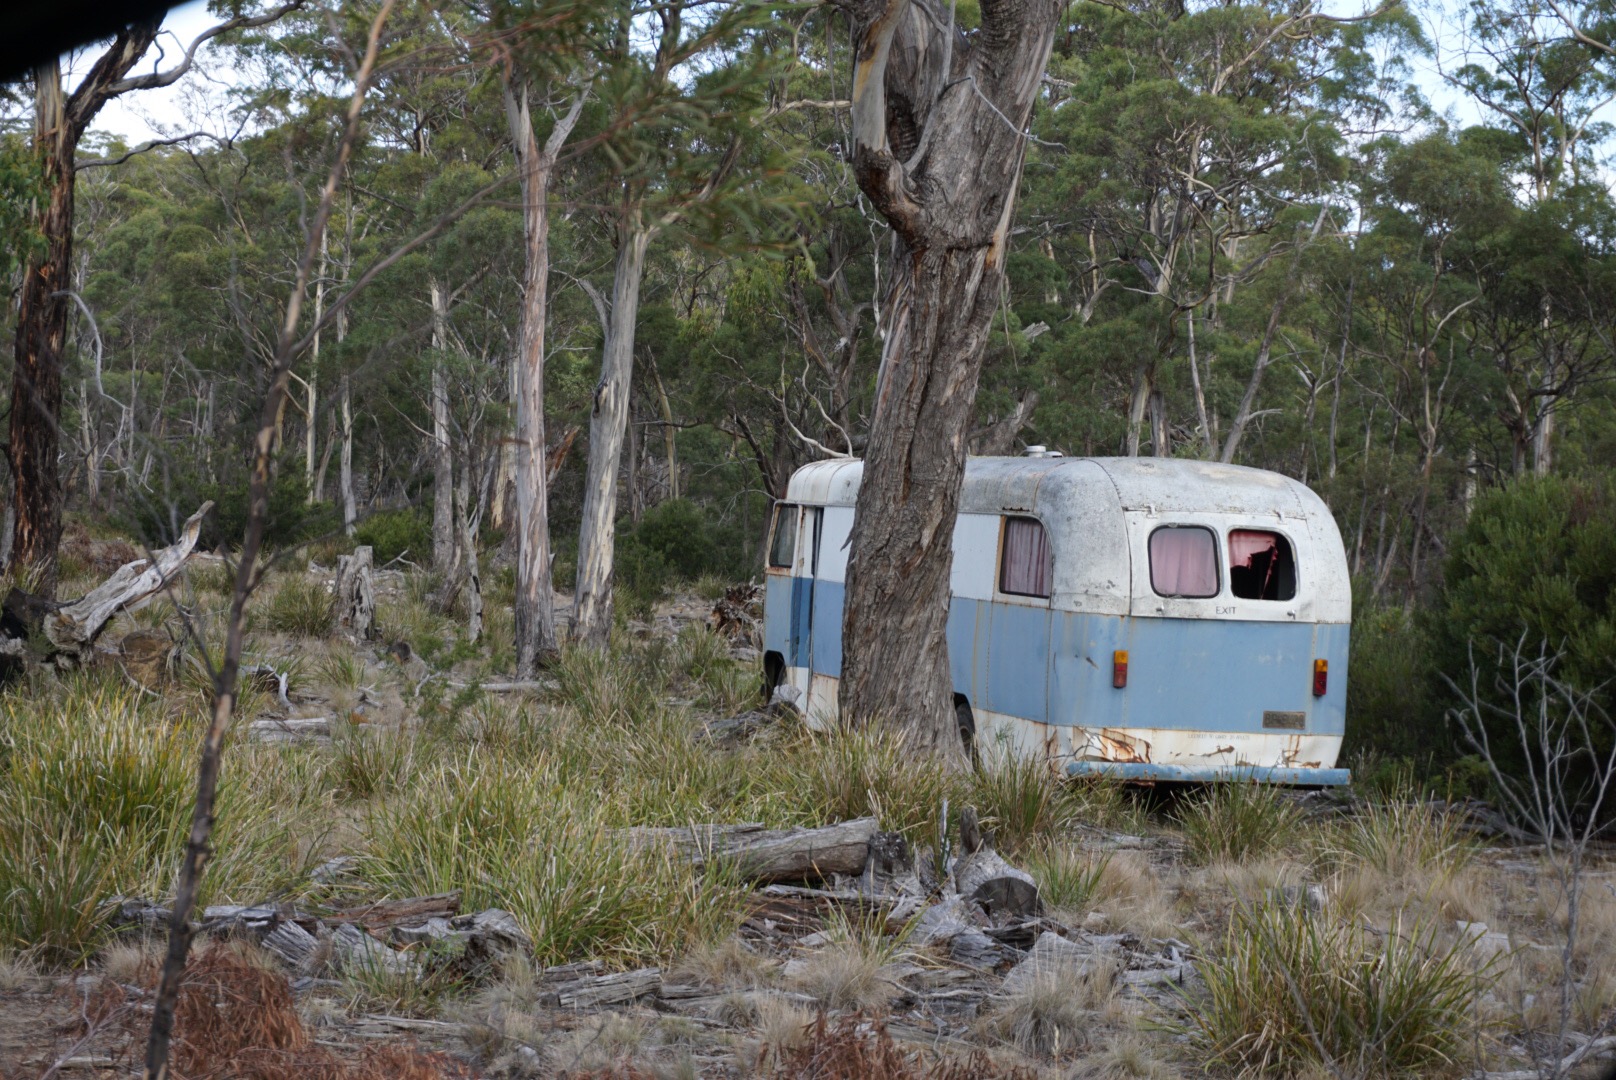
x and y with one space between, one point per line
1202 774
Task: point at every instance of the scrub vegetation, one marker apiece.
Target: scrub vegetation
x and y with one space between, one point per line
1321 936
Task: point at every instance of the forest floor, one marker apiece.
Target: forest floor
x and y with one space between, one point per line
1232 929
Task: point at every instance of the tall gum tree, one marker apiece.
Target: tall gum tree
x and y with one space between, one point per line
939 136
60 121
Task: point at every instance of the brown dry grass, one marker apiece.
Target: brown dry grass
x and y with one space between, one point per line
859 1047
235 1018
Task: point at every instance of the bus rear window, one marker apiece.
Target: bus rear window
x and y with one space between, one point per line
1184 561
783 549
1025 567
1262 565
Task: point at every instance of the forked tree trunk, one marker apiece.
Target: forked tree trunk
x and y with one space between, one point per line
534 614
939 126
592 603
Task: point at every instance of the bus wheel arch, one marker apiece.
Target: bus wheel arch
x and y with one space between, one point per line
966 721
774 671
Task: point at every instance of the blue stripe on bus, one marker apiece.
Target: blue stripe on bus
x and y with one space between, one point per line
1055 666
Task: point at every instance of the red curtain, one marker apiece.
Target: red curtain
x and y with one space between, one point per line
1028 567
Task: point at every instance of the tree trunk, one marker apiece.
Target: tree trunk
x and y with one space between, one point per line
36 380
938 144
534 615
350 513
443 530
36 377
313 383
1211 450
592 603
1265 352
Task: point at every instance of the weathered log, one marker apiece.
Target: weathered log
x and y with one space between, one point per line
73 628
356 595
615 989
1066 961
768 855
983 877
412 912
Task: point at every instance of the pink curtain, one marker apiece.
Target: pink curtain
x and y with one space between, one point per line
1028 569
1244 544
1183 562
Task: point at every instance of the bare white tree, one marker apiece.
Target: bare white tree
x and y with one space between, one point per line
1566 742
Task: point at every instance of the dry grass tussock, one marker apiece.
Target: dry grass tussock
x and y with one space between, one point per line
857 1046
848 972
1052 1016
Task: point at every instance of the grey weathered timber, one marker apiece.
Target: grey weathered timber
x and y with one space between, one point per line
355 598
592 602
938 134
983 877
73 628
590 992
1065 961
768 855
533 609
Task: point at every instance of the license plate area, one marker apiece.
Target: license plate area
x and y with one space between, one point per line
1284 721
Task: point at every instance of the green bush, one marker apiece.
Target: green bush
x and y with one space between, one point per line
1390 714
1535 567
392 533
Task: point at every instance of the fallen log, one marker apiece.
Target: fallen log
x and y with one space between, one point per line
73 628
387 913
767 855
983 877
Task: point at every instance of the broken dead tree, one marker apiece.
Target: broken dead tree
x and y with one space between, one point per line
355 598
768 855
982 876
737 613
73 628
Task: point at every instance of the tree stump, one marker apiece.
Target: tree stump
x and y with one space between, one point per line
356 596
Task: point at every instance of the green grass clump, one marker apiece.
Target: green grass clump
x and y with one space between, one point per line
301 606
513 836
1068 877
847 773
1290 988
1237 820
1020 798
1405 839
96 790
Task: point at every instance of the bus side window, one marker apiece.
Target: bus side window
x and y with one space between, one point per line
1262 565
783 548
1026 567
1184 561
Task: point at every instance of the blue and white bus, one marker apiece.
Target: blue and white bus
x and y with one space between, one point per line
1146 618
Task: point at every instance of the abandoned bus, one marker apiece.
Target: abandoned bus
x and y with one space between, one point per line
1145 618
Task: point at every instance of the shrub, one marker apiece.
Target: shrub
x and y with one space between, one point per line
1292 987
1237 820
395 533
1390 714
1535 562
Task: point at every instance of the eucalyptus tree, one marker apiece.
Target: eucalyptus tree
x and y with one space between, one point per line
690 97
939 133
60 121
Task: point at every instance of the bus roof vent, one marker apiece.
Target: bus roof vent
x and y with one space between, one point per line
1040 451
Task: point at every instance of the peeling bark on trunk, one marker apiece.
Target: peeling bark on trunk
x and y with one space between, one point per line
534 613
350 514
938 143
443 531
36 381
592 603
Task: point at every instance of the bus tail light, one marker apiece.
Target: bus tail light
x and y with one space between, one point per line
1321 677
1119 668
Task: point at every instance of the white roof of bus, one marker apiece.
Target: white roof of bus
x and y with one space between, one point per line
996 484
1085 502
